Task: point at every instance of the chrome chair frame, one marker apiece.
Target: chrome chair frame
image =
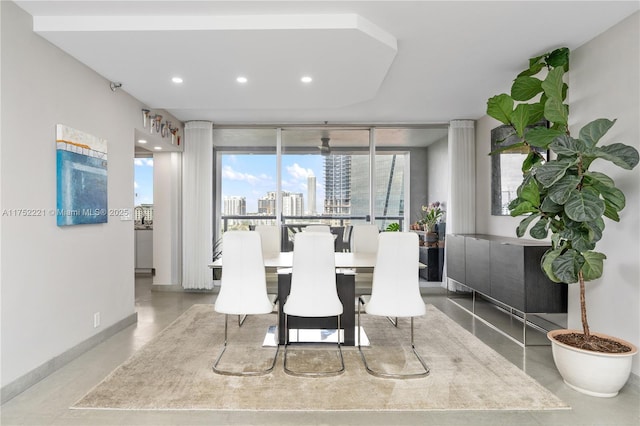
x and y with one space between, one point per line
240 373
243 290
311 373
386 375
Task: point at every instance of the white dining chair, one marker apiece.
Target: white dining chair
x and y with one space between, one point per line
243 288
317 228
313 290
270 235
396 290
364 239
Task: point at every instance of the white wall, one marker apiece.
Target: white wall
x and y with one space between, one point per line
54 279
603 83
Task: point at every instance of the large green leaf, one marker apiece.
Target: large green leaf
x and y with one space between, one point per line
593 265
612 196
552 171
520 118
532 70
568 146
592 132
552 84
536 113
533 158
524 224
507 148
523 207
541 137
525 88
581 237
596 227
547 264
550 207
584 206
529 192
559 58
500 107
560 191
611 212
598 178
556 112
536 61
567 265
540 230
620 154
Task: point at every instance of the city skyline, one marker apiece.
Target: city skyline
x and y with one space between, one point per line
253 176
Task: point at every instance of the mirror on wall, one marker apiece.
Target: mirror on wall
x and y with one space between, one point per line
506 167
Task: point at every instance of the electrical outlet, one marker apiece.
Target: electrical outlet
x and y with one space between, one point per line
96 320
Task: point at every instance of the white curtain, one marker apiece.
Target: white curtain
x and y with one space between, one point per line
197 205
461 206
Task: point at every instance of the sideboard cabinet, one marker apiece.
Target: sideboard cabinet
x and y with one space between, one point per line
506 270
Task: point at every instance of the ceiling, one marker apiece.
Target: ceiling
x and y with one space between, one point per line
371 61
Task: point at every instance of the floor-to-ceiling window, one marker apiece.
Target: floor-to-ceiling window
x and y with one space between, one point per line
296 176
247 177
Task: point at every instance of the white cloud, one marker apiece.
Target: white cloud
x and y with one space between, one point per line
298 172
143 162
135 184
229 173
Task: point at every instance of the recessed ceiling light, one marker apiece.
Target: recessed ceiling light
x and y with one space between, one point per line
241 79
157 148
306 79
176 80
141 141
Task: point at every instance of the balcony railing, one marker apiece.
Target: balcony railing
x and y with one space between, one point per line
293 224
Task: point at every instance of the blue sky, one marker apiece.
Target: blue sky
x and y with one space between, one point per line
249 176
143 181
252 176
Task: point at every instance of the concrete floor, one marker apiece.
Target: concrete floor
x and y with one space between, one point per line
47 403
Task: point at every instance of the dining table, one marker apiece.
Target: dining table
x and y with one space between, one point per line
347 265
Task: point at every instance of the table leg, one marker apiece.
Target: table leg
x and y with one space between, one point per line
347 294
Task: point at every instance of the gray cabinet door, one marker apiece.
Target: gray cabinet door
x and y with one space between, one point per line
507 274
456 258
477 268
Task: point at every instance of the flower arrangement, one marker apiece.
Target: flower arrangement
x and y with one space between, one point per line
431 216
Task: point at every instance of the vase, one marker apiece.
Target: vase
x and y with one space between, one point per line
592 373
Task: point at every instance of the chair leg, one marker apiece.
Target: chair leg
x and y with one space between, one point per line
311 373
386 375
393 321
239 373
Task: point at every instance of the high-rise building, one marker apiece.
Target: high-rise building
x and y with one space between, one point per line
389 178
267 204
337 180
143 214
292 204
311 195
235 206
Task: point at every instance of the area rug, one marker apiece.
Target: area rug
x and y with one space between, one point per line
173 371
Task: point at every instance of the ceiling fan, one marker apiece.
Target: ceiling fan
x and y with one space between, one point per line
325 149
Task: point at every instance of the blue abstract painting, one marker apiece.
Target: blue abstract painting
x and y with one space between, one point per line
81 177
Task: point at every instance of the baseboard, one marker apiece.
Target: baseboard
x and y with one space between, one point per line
177 288
171 288
34 376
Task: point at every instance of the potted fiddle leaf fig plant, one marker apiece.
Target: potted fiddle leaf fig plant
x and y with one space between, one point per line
565 198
